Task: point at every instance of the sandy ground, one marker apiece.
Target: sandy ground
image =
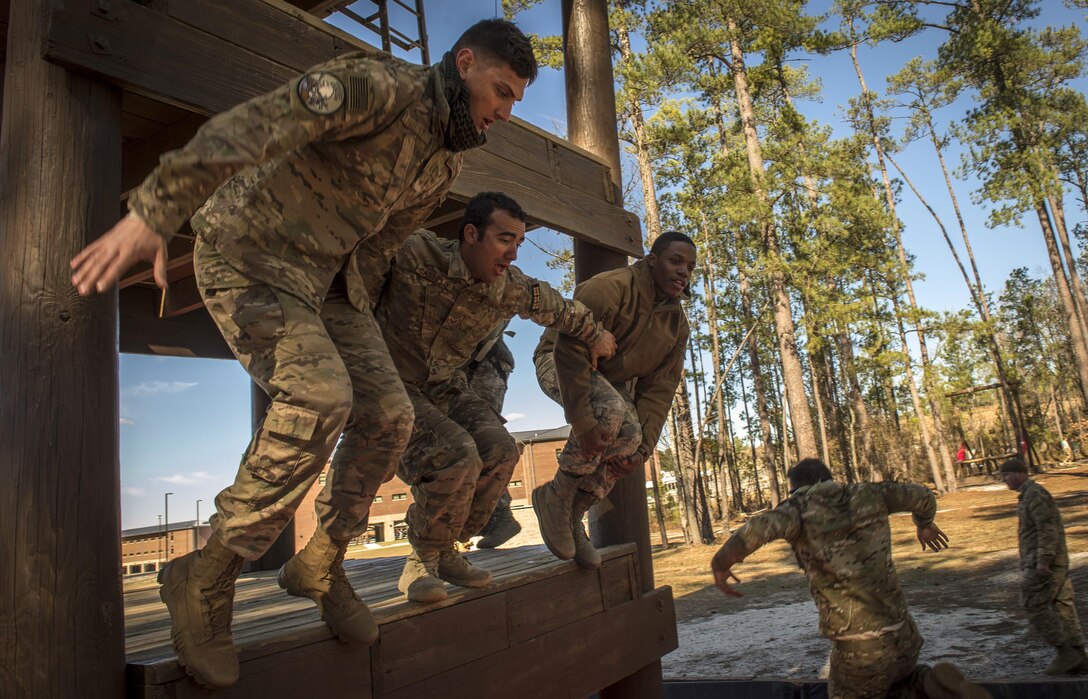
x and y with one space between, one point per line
964 600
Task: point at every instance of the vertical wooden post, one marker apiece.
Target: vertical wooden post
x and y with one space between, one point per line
284 546
61 614
591 124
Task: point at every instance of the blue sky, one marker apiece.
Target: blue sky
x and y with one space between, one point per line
185 422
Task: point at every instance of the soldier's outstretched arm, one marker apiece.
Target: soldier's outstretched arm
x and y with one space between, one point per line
783 522
346 96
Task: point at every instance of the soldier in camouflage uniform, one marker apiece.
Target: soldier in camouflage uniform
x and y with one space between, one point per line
1046 592
442 298
488 376
356 150
842 541
616 408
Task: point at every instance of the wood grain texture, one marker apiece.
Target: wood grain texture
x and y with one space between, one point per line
61 623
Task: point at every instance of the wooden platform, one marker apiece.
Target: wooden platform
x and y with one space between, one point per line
545 628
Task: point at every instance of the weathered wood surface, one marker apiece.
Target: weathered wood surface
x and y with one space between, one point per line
61 630
541 615
206 56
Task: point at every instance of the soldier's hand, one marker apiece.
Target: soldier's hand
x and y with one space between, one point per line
1044 569
721 565
99 265
624 465
603 348
932 537
594 442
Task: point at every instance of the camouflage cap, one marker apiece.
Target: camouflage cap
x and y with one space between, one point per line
1014 465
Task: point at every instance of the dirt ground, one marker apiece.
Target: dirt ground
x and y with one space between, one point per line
964 599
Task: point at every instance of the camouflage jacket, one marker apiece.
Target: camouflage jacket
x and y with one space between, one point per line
298 177
1042 534
842 540
434 314
651 339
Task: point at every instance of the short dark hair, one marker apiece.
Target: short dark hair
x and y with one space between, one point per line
808 472
480 207
502 40
665 239
1013 465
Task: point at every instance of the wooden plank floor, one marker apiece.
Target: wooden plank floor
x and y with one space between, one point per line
536 606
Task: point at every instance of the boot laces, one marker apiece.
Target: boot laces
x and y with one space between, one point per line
339 587
220 597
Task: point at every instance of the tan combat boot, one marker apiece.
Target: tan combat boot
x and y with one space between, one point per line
420 581
552 504
198 590
585 555
945 681
317 572
455 569
1067 661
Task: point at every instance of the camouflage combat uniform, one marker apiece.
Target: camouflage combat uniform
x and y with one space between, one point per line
434 314
630 393
842 541
355 149
488 376
1047 599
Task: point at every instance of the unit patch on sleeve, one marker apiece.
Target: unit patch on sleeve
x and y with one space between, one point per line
321 93
535 304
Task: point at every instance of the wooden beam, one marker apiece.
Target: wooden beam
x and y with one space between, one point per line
61 612
181 297
144 332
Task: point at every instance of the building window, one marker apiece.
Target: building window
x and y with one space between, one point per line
515 484
400 530
557 453
321 479
400 496
377 498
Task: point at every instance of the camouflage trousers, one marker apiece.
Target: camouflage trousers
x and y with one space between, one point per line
1049 605
613 408
489 379
458 463
879 667
328 373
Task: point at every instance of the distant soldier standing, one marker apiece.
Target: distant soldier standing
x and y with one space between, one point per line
443 297
616 407
488 376
358 149
1046 592
842 541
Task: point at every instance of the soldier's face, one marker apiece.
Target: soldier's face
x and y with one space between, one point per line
489 251
1014 479
671 268
493 88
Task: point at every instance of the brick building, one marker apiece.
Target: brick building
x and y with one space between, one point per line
146 549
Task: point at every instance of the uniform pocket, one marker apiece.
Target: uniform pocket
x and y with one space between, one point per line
281 442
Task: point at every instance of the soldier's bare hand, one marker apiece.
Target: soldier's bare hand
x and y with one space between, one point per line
624 465
594 442
721 565
932 537
603 348
99 265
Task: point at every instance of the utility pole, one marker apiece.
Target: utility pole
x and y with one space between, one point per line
196 529
166 523
160 543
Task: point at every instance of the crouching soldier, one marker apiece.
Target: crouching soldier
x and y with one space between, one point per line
616 407
441 299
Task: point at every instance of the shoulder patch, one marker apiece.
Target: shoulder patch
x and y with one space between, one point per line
321 93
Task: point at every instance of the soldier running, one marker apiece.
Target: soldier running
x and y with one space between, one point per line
362 147
1046 592
616 407
842 541
442 298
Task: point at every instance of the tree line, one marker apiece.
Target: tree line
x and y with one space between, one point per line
807 335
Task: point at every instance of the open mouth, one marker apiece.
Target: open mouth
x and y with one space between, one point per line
487 124
679 284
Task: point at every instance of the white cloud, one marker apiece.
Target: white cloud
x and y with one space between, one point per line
514 417
154 388
126 421
187 478
134 492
